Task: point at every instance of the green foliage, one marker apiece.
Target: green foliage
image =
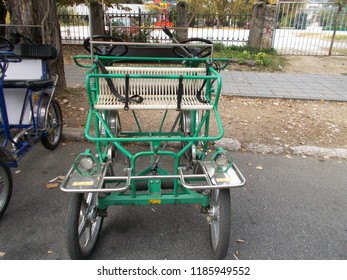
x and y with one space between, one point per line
262 59
265 58
218 47
251 49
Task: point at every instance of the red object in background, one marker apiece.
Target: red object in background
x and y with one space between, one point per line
164 23
134 30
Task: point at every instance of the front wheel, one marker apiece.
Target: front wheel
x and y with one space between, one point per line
6 186
51 136
84 225
220 223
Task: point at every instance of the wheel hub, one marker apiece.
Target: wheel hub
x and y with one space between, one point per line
213 214
91 214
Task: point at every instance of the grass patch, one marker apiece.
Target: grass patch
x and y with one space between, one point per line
261 59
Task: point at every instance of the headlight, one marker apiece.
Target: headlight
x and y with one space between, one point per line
87 163
221 160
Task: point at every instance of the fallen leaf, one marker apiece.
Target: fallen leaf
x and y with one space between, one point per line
240 241
52 185
2 254
259 167
17 171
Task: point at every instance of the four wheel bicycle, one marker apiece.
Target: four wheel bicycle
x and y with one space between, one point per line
173 161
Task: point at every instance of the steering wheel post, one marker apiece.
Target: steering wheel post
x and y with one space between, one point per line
103 48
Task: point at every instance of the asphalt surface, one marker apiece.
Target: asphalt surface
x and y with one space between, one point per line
290 209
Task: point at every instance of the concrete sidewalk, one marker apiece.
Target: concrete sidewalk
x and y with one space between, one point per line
261 84
285 85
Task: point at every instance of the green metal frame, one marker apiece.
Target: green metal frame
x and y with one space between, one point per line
199 135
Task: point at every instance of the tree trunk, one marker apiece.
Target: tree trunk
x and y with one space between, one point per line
98 24
33 12
3 12
336 20
182 17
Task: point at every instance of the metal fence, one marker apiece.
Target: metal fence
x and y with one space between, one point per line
305 28
143 27
74 28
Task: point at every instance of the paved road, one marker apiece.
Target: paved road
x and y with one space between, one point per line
291 209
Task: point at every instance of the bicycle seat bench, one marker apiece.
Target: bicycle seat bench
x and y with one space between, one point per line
31 73
155 88
26 77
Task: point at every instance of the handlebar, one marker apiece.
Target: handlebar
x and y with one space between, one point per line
8 56
5 58
17 37
171 36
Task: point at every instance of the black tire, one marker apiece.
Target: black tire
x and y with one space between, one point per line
220 222
6 186
52 135
83 220
186 129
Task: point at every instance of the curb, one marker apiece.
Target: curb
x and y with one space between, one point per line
77 134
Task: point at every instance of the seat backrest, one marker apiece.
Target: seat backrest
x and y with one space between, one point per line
43 52
157 86
27 69
33 64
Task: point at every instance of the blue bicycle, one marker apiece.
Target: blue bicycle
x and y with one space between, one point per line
29 112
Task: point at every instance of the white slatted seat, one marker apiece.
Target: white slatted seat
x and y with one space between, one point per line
157 93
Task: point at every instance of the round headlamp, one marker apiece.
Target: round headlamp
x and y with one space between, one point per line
221 160
87 163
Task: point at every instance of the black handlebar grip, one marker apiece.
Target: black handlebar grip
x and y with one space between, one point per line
167 32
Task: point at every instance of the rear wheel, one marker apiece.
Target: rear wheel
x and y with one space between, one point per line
6 186
51 137
220 223
84 225
188 128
